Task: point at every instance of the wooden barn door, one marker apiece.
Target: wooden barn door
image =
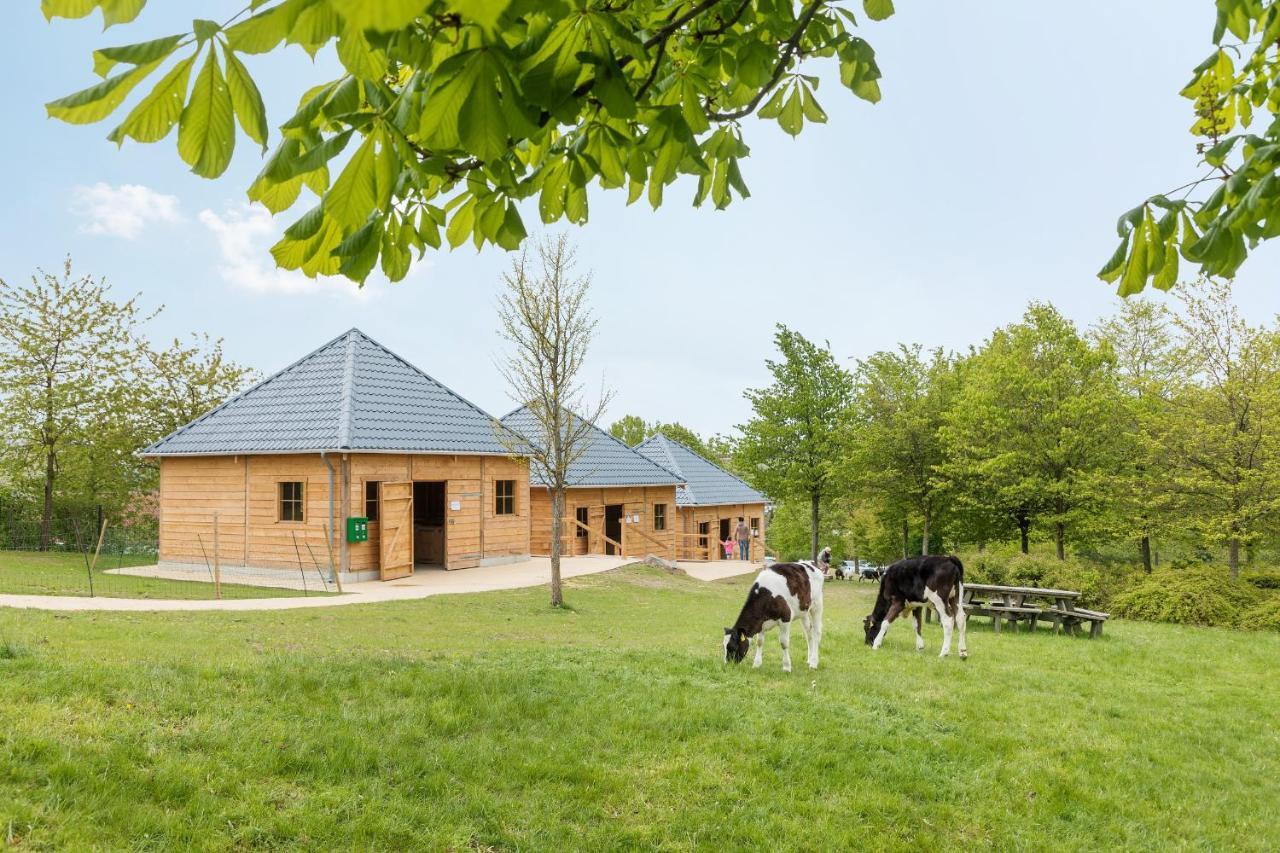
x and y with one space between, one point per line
396 537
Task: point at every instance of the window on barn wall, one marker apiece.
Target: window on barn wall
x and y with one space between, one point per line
371 500
659 516
755 527
504 497
291 501
581 514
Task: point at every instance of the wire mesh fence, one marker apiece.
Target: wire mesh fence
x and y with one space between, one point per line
83 556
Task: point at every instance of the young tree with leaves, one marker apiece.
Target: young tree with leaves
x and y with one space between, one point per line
629 429
896 450
545 318
791 444
183 382
1031 430
1220 434
67 351
458 109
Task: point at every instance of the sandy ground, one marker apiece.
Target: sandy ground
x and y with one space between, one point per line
717 569
424 583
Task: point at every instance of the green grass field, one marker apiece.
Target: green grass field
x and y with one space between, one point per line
63 573
491 721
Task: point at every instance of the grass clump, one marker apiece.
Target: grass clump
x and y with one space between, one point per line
1264 616
1199 595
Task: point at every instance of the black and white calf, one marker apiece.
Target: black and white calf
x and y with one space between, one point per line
916 583
782 592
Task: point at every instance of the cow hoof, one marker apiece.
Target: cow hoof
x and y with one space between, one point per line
942 655
755 665
964 655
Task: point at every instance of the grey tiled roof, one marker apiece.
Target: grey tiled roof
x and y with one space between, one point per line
706 483
605 462
350 394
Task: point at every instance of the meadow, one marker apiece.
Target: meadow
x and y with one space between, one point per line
494 722
66 573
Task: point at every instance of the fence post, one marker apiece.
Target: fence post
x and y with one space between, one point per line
102 532
217 557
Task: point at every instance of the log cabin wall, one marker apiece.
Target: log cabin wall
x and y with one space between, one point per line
639 537
192 489
692 516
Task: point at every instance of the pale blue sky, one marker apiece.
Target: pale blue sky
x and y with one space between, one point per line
1008 141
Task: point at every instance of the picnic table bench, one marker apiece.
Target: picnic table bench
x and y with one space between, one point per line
1030 604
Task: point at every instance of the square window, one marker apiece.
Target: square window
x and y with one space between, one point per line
291 501
504 497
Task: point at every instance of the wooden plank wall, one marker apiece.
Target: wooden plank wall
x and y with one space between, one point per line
691 516
193 488
635 500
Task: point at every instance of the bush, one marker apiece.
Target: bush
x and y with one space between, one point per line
1263 579
1191 596
1264 616
1096 584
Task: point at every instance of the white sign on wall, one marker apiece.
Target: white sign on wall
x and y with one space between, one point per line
455 505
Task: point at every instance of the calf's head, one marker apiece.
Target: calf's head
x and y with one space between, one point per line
872 627
736 644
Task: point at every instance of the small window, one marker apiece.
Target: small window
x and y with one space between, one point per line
581 514
291 501
371 500
755 527
505 497
659 516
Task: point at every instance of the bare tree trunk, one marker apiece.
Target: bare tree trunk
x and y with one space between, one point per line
1233 557
1024 528
46 517
1060 539
557 530
1144 547
924 537
814 518
906 533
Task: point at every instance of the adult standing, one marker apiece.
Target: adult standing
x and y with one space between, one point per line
743 534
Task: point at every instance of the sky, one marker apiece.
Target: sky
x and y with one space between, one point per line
1008 140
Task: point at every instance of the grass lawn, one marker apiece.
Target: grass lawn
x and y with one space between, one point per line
491 721
63 573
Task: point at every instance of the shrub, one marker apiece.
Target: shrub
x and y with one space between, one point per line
1263 579
1264 616
1097 584
1191 596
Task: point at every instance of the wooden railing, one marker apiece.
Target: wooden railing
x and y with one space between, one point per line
637 529
599 533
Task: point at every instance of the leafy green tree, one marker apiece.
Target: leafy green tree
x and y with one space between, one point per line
1141 339
456 110
1214 219
792 442
67 353
1030 432
629 429
1220 435
896 450
183 382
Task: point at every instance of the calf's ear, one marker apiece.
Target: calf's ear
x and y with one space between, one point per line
728 631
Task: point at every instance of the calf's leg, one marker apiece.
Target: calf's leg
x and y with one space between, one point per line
919 636
784 635
894 609
944 617
962 620
815 634
759 644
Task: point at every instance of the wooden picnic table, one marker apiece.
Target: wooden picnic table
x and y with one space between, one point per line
1030 604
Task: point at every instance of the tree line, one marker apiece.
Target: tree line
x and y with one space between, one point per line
82 388
1157 427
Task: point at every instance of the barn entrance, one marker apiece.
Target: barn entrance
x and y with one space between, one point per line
724 534
612 527
429 545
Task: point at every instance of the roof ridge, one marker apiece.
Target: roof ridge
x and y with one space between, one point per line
715 465
245 393
680 480
345 407
666 452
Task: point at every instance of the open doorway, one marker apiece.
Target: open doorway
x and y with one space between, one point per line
724 534
612 527
428 524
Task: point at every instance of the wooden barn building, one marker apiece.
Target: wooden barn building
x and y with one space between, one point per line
290 467
710 503
620 502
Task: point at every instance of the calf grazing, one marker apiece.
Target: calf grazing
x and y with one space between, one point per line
909 585
780 593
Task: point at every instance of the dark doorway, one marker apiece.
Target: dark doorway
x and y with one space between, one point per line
612 527
724 534
428 524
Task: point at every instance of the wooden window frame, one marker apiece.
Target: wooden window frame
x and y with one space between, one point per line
376 501
583 515
504 504
755 526
659 516
300 501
